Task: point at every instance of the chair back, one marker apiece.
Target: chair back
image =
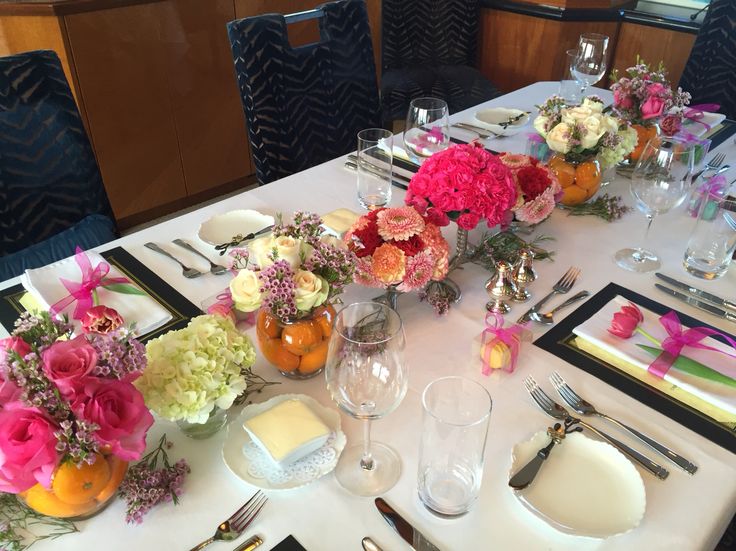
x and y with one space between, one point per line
49 179
429 32
305 105
710 72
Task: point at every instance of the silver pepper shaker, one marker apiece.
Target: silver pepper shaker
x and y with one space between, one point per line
500 287
524 274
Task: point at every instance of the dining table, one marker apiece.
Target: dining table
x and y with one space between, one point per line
683 512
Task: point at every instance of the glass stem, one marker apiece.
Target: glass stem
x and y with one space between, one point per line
366 462
650 219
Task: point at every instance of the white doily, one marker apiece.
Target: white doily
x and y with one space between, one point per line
306 469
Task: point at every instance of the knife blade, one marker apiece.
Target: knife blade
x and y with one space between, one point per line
697 303
725 303
528 472
410 534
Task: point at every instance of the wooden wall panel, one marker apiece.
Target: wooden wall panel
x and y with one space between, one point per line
654 45
121 65
517 50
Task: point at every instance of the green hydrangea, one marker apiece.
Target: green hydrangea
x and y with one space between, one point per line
609 157
192 370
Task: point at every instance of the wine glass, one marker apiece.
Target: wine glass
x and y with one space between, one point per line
367 377
590 62
427 128
659 183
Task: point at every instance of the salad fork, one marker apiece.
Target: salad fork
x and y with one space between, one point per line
715 162
231 528
553 409
586 408
560 288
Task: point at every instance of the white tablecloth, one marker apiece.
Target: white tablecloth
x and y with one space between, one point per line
683 513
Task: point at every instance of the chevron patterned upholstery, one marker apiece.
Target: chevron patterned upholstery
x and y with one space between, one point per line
710 73
305 105
49 179
429 49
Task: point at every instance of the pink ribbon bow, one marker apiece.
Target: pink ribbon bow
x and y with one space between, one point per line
679 339
495 332
84 292
696 113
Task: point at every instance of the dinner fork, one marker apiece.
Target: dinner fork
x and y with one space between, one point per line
553 409
231 528
715 162
216 269
586 408
560 288
185 270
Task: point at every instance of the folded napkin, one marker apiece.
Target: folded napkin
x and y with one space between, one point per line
45 286
595 331
704 125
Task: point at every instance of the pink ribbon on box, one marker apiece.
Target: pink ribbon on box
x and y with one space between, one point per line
534 137
696 113
679 339
224 305
712 188
495 332
84 292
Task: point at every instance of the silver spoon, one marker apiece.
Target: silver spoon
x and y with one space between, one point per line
548 318
216 269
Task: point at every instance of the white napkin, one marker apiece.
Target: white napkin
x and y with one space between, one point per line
698 129
595 330
43 283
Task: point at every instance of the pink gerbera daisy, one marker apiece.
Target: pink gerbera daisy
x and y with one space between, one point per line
399 223
537 209
419 269
515 161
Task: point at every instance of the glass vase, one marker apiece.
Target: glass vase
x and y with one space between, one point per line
580 180
644 134
390 298
200 431
297 349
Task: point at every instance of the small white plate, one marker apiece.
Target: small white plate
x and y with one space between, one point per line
585 487
221 228
249 463
494 117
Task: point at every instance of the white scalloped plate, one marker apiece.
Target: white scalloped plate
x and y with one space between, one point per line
221 228
585 487
246 461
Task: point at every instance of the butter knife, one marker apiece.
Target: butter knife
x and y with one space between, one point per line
238 239
528 472
249 544
698 303
724 303
411 535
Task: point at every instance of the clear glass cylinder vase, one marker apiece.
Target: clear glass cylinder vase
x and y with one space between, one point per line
200 431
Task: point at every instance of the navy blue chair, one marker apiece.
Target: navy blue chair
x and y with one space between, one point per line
51 193
429 48
710 72
305 105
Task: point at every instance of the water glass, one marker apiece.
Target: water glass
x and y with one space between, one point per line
427 128
590 63
375 163
713 241
455 422
569 87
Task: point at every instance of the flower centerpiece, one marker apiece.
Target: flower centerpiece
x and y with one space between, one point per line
537 188
195 374
296 274
71 418
397 249
645 97
579 136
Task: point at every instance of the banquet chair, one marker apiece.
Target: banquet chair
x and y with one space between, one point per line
305 105
710 72
51 193
429 48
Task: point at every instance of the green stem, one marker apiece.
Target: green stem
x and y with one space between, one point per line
95 298
648 336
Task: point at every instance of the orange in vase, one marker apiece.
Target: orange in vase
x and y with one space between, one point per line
643 134
579 181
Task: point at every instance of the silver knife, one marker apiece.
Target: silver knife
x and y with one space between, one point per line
410 534
723 302
698 303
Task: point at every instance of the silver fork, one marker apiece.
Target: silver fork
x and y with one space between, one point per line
715 162
216 269
586 408
553 409
185 270
560 288
231 528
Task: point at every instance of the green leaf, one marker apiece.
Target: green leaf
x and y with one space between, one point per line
691 367
125 288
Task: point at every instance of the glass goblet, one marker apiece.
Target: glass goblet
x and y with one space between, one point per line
427 128
590 62
367 377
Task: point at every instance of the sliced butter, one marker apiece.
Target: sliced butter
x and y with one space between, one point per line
287 432
339 221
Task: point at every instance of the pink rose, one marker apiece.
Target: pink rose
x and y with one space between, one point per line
656 89
101 319
652 108
118 408
622 99
626 321
27 448
67 363
13 344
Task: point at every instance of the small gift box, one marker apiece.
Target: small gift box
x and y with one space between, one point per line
497 346
537 147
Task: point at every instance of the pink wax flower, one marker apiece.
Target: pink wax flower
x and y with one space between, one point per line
27 448
67 363
13 344
118 408
626 321
622 99
101 319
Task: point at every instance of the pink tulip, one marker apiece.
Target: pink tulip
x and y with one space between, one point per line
68 363
626 321
101 319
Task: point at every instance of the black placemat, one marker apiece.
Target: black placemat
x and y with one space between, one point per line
180 308
289 544
722 134
558 341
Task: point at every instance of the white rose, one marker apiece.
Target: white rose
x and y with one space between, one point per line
594 106
610 124
576 114
311 290
593 132
334 242
282 247
245 289
539 125
558 138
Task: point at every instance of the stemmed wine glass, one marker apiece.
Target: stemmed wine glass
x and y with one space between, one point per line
659 183
427 128
590 62
367 377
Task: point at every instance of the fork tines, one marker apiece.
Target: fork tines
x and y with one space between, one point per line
242 518
539 396
561 386
716 160
568 280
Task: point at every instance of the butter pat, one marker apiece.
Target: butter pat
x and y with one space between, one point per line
339 221
287 432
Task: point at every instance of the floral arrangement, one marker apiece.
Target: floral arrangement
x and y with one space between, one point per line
645 95
464 183
397 246
67 401
537 187
192 370
295 270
